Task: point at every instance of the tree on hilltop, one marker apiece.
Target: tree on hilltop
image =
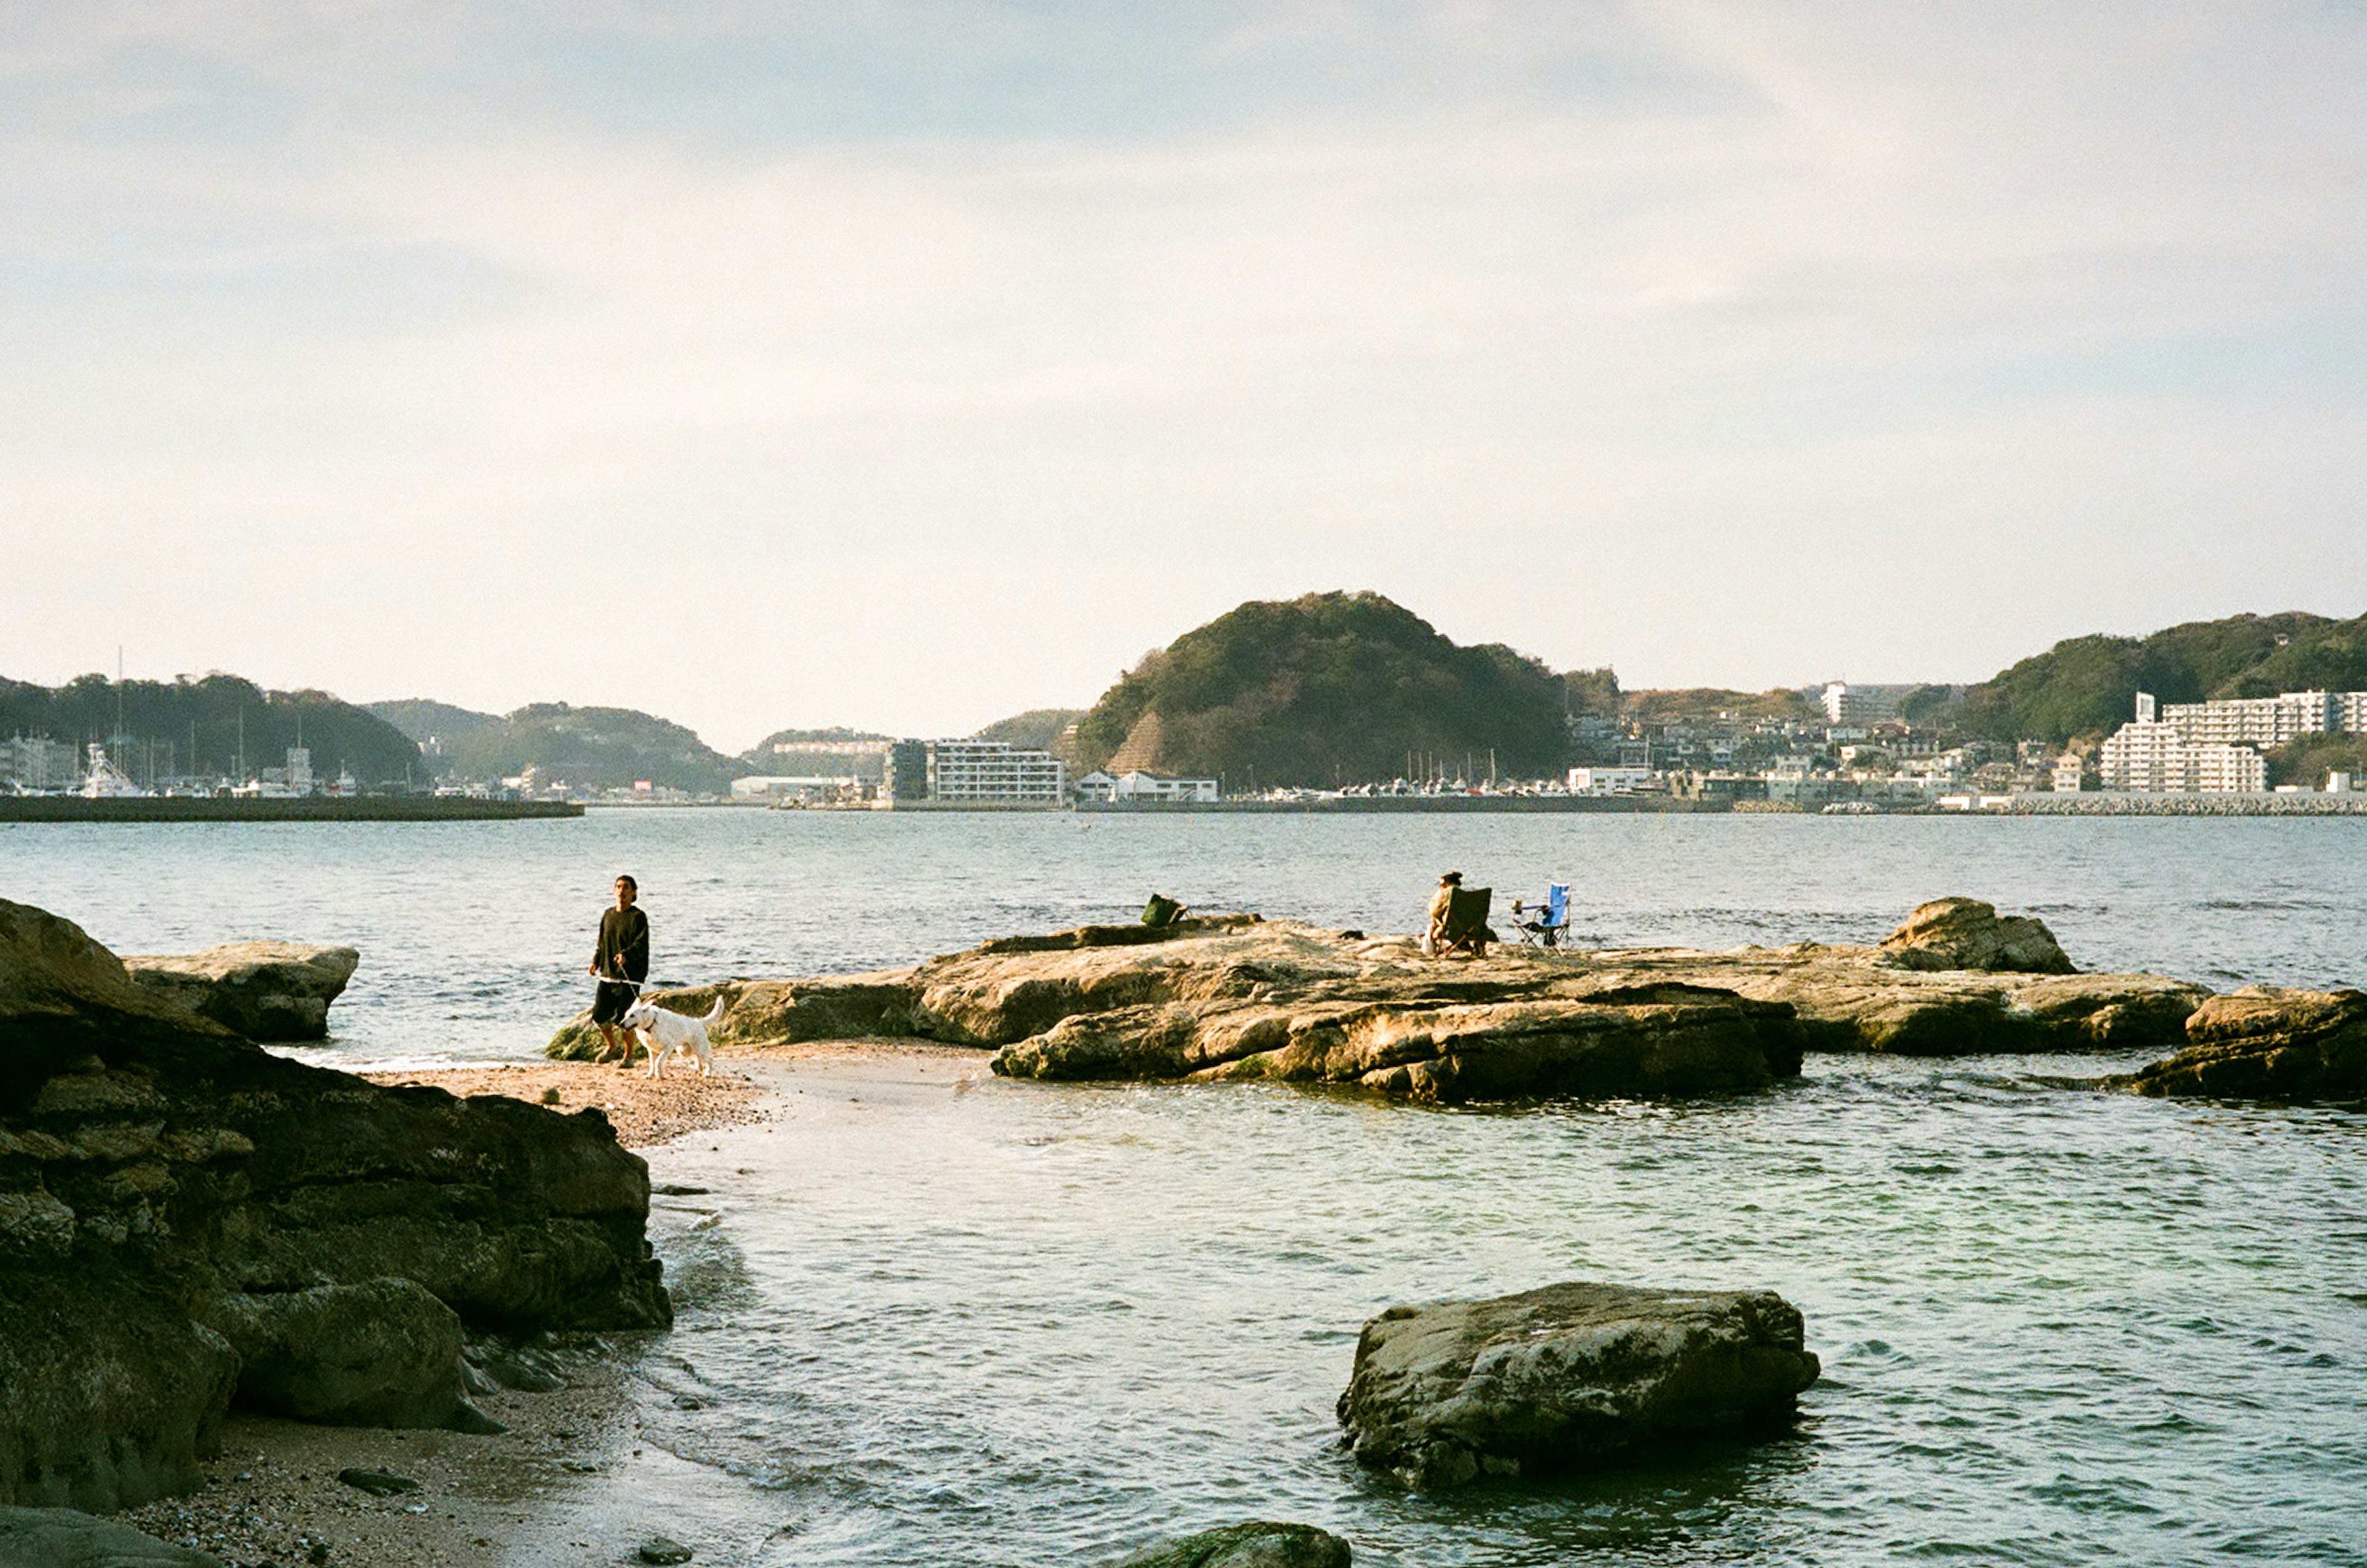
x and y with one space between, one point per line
1327 689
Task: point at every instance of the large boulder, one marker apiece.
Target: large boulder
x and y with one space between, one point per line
386 1353
1965 933
64 1538
1255 1545
264 990
1569 1377
2267 1043
152 1161
110 1395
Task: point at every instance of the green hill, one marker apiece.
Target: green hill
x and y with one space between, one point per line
589 749
1037 729
1330 689
202 728
2087 685
836 752
425 719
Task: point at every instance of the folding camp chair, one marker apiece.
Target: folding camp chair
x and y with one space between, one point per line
1466 922
1552 921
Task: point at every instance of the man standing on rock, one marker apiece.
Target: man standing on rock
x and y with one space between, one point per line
622 957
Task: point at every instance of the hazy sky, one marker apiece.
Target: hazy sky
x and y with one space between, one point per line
906 364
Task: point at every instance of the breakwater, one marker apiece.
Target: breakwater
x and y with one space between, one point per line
295 808
2131 803
1623 805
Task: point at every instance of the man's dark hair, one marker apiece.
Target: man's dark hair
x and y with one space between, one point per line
1453 876
627 880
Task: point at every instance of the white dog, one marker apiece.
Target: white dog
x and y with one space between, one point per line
664 1034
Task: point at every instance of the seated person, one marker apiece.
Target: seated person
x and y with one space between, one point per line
1459 920
1440 903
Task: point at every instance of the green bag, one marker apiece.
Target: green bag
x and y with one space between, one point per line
1161 910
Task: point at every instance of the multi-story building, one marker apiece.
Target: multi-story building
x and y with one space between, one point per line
972 773
2155 755
2265 722
2069 768
2144 754
36 761
2226 770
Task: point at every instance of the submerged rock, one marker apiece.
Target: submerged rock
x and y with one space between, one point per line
2267 1043
64 1538
1568 1377
1965 933
264 990
1258 1544
1237 997
152 1161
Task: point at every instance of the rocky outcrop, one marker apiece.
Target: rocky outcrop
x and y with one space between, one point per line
2265 1042
1240 998
1965 933
1236 997
162 1180
1569 1377
383 1353
1255 1545
63 1538
264 990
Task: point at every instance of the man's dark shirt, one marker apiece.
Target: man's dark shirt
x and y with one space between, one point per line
624 951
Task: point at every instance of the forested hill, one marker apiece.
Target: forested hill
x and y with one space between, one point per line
425 719
591 748
1330 689
2087 685
202 727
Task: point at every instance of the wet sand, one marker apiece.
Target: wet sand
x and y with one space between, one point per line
645 1111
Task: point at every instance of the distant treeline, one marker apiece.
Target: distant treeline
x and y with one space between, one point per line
588 747
213 727
2088 685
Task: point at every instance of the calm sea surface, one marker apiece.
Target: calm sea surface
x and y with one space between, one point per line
929 1316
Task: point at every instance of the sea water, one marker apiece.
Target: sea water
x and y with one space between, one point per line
932 1316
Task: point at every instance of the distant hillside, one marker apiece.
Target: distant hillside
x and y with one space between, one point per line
1669 705
589 747
424 719
1037 729
1334 688
185 726
836 752
2087 685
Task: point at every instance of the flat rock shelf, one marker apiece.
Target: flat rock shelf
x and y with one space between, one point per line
1238 997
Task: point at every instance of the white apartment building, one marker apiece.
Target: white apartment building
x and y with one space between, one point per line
35 762
994 773
2265 722
2155 755
2067 774
2226 770
1608 780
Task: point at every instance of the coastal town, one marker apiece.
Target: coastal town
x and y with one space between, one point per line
1848 750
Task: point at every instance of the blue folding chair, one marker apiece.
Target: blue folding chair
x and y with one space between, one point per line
1552 921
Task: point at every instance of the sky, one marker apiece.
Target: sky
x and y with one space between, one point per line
905 364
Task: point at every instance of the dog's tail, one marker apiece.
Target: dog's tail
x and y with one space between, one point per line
714 1014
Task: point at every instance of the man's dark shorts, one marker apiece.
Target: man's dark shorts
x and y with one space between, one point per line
608 1003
